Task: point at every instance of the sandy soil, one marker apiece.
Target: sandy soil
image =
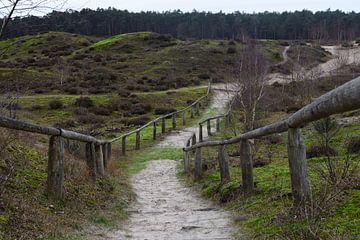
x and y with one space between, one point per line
217 107
165 208
341 56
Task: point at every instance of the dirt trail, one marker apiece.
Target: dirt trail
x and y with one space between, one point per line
165 208
217 106
341 56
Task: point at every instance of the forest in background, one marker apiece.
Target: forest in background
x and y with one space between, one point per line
322 25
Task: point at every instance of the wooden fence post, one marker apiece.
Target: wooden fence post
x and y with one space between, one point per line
91 159
208 127
100 169
246 166
298 168
198 164
193 139
200 133
163 125
223 164
137 144
197 109
218 125
109 149
55 177
105 154
191 112
186 162
227 122
123 145
174 121
154 130
184 118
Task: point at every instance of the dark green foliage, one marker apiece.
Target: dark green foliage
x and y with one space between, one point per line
164 111
286 25
353 145
320 151
231 50
137 121
84 102
56 104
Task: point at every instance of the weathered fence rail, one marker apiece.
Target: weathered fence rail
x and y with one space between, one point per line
227 116
342 99
98 152
194 108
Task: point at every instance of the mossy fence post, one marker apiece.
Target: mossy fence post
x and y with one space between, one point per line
298 168
200 132
100 168
223 159
91 159
246 166
198 164
137 141
55 177
154 130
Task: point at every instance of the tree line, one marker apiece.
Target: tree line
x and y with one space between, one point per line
322 25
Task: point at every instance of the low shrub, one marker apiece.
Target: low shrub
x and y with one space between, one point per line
120 105
320 151
140 109
84 102
56 104
164 111
101 110
36 107
203 76
73 90
66 124
231 50
137 121
81 111
353 145
90 119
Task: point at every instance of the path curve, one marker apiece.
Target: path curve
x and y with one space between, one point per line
165 208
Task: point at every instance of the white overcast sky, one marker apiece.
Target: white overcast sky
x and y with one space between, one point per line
217 5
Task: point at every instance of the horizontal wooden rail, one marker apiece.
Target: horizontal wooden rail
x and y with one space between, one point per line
97 152
342 99
169 115
45 130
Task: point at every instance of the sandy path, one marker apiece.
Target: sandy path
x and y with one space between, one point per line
165 208
217 106
341 56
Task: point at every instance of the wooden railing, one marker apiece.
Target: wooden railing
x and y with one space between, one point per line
342 99
194 109
226 116
98 152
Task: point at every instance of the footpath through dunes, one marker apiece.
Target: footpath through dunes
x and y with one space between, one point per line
165 208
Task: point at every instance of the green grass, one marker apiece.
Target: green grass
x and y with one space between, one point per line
137 161
118 38
268 213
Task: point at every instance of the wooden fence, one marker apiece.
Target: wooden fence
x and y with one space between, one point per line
98 152
342 99
227 116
